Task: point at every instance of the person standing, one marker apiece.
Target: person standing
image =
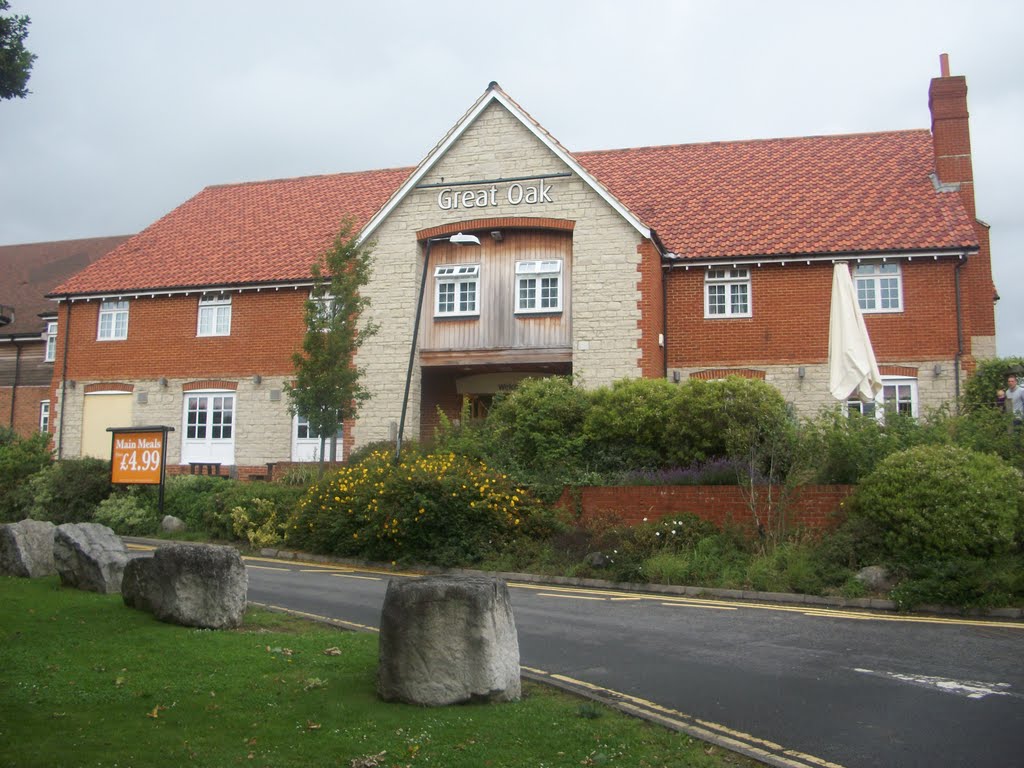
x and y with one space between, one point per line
1014 399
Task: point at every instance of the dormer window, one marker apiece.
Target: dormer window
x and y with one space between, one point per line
457 290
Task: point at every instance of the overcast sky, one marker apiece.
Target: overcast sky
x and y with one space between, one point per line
136 106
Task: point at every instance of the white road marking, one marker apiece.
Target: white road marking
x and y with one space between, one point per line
971 689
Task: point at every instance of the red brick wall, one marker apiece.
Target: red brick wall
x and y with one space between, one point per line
266 328
814 507
25 419
791 313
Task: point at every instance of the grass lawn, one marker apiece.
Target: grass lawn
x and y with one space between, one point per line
85 681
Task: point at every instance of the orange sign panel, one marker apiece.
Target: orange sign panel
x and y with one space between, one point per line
137 458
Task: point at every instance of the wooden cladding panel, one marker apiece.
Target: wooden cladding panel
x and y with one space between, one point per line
498 326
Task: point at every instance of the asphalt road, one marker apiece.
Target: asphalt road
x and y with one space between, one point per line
802 686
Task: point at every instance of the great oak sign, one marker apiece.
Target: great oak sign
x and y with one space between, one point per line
449 199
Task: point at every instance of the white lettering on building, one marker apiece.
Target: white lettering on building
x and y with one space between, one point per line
514 194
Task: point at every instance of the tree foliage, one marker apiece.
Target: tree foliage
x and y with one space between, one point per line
989 376
327 390
15 60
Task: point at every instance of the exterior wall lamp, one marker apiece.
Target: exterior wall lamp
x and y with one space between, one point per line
456 239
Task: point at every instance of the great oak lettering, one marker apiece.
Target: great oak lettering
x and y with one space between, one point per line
514 194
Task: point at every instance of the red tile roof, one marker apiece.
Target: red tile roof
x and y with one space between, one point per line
813 195
28 272
240 234
819 194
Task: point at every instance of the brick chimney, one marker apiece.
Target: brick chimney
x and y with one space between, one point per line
951 136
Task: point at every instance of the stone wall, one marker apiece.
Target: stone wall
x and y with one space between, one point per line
605 319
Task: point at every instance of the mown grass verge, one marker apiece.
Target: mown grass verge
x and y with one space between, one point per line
86 681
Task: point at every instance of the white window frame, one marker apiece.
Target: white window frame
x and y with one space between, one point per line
324 307
44 416
51 342
206 441
879 286
732 286
215 310
113 320
896 391
461 285
538 286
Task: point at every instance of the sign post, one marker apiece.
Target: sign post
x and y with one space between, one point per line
138 456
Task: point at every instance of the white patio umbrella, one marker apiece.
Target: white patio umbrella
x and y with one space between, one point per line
852 368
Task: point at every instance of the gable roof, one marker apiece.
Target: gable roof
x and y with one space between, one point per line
494 94
775 197
29 271
818 195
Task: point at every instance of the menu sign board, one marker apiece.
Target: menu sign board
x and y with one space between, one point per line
137 457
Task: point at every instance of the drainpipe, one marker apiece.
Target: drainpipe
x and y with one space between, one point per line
17 374
959 330
64 378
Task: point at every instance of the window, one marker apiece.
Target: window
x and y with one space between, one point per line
879 287
209 428
324 309
44 416
51 343
306 442
727 293
899 395
215 315
113 321
457 286
539 286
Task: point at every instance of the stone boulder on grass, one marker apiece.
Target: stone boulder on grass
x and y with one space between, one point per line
446 640
194 585
89 556
26 549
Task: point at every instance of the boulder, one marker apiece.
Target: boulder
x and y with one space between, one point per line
89 556
446 640
194 585
172 524
26 549
877 578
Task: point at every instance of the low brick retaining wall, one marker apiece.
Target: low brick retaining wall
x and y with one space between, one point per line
814 507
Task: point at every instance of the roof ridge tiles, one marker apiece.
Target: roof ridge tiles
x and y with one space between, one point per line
308 177
733 142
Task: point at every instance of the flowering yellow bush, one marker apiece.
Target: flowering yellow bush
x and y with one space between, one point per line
442 508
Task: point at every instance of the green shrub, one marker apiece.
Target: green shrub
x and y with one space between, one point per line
538 430
258 523
364 452
439 508
69 491
965 582
257 499
625 427
713 419
127 515
20 458
935 503
193 500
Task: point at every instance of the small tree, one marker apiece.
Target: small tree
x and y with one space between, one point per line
15 59
327 391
